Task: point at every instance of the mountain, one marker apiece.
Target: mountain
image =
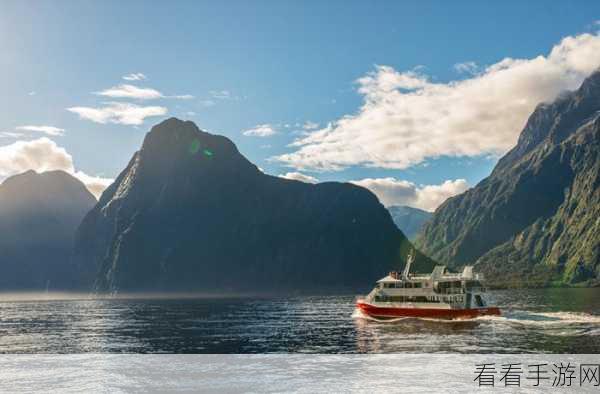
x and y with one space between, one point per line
408 219
39 214
535 219
191 213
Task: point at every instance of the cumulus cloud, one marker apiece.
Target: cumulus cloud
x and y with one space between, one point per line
42 155
261 130
392 191
406 118
297 176
50 130
134 77
134 92
120 113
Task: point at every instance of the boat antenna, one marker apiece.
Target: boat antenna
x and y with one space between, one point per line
409 260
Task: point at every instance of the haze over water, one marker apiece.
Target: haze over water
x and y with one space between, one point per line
538 320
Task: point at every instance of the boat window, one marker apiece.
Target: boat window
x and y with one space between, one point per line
408 285
418 285
479 301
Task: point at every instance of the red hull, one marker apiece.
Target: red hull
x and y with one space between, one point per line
385 312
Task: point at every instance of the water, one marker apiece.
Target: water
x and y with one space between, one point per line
541 320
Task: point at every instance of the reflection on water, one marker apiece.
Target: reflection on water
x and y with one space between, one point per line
549 320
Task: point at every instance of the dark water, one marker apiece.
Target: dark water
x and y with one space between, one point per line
547 320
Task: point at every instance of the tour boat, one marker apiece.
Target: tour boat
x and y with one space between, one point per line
440 295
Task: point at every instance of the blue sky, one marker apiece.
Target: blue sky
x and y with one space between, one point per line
282 64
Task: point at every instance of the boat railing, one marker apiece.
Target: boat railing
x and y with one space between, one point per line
408 292
454 290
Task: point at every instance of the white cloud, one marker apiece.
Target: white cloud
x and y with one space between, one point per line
120 113
50 130
32 93
297 176
134 77
406 118
42 155
221 94
261 130
95 184
131 92
10 134
466 67
392 191
134 92
207 103
308 125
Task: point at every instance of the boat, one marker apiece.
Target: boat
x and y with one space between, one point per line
439 295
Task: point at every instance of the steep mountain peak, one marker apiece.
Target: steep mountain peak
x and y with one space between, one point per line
591 85
534 219
179 147
552 123
178 136
191 213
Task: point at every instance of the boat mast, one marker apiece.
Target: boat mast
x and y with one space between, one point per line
409 261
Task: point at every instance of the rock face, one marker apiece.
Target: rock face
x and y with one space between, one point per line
536 218
191 213
39 214
408 219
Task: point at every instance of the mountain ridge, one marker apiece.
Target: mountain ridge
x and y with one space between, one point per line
189 211
500 224
39 213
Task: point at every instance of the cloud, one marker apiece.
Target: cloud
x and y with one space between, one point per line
42 155
308 125
32 93
207 103
181 96
261 130
221 94
131 92
10 134
95 184
134 92
120 113
297 176
134 77
466 68
392 191
406 118
50 130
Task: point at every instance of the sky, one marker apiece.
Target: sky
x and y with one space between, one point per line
415 100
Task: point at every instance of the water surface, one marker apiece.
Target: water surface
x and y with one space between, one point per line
540 320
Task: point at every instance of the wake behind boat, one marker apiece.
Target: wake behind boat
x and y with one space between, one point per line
441 295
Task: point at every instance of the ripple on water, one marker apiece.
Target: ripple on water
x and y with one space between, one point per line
327 324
